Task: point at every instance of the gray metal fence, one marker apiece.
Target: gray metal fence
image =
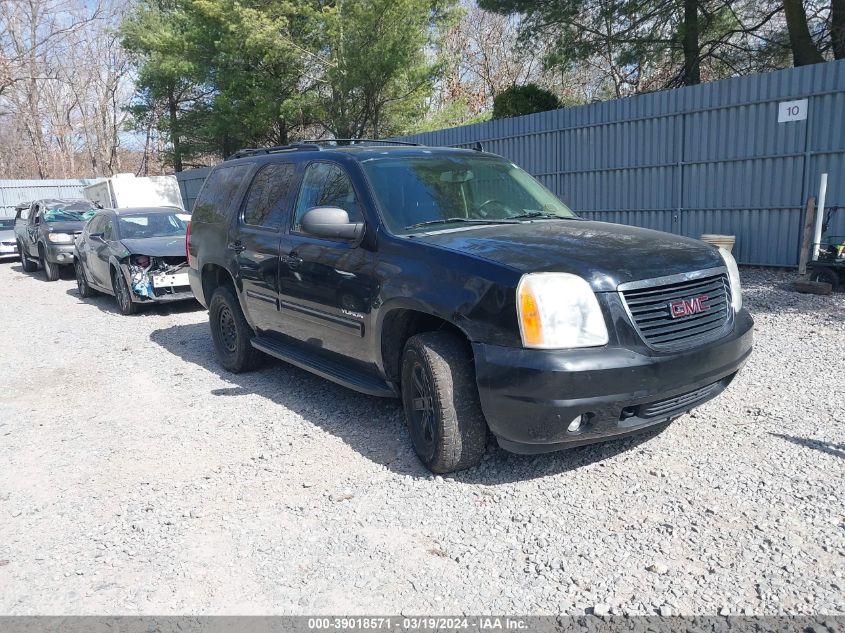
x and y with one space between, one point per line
13 192
714 158
190 183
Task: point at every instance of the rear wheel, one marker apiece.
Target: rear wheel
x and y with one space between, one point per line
231 333
27 264
121 294
51 270
441 403
826 275
82 286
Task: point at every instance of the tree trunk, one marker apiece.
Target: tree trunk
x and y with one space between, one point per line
804 49
837 28
174 133
282 133
692 65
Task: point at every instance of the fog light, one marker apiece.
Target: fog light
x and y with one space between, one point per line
575 424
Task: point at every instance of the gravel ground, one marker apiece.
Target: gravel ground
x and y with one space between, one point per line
138 477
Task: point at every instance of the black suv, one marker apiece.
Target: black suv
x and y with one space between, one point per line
454 280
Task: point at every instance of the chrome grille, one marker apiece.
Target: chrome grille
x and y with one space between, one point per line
650 307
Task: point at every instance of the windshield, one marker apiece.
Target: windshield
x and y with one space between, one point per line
7 223
158 224
68 212
438 192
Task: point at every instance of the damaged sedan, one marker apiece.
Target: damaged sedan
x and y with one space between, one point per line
135 254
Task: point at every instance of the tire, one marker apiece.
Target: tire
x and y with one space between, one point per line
121 294
82 287
231 333
27 264
51 270
441 402
826 275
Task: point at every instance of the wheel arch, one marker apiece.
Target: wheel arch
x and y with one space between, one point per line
399 323
212 276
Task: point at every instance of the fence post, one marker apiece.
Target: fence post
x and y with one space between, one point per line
805 237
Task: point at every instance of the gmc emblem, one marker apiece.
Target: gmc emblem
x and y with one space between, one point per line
688 307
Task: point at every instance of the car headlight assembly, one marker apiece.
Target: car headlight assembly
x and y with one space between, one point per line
733 275
559 311
60 238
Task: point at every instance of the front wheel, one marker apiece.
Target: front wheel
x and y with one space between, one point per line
231 333
441 403
121 294
51 270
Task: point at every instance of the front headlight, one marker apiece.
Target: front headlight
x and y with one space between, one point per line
60 238
733 274
559 310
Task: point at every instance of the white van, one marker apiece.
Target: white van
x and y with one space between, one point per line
127 190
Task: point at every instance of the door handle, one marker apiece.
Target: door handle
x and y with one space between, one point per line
292 259
236 246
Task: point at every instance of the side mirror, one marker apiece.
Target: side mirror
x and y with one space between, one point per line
96 237
331 223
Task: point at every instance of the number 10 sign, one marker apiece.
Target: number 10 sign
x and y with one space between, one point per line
792 110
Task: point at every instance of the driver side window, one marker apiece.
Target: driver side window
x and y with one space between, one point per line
108 230
326 185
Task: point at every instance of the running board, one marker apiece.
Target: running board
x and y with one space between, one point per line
342 374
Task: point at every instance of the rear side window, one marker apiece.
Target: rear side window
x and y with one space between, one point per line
266 201
218 193
327 185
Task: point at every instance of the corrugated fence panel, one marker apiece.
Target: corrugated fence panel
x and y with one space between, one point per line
13 192
190 183
705 159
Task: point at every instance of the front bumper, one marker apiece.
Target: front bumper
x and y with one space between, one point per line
158 295
183 295
529 397
59 253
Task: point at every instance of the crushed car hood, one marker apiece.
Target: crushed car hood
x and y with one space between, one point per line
156 246
604 254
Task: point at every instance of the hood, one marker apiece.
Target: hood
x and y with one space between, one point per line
156 246
604 254
66 227
7 234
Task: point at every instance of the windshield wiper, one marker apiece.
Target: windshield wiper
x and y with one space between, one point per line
449 220
539 214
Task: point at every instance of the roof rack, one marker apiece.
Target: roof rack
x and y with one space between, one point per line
293 147
358 141
312 145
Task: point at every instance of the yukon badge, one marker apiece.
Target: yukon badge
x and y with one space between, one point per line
688 307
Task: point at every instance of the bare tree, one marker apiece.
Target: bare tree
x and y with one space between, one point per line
64 83
485 59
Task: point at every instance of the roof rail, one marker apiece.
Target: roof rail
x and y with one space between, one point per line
293 147
358 141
